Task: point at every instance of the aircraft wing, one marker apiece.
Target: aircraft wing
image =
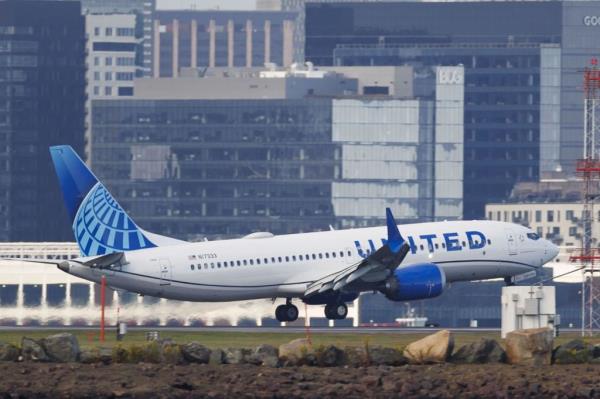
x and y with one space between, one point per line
101 262
369 272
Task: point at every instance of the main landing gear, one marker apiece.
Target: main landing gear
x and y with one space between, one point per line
336 311
287 312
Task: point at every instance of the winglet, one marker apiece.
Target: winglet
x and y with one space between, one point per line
394 240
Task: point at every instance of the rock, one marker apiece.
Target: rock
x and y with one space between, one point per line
265 355
298 351
8 352
532 347
380 356
194 352
483 351
329 356
89 356
237 355
355 356
435 348
33 350
61 347
573 352
217 356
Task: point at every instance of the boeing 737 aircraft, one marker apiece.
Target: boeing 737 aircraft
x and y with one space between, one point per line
331 268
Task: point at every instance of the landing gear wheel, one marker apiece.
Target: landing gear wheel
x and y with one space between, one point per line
280 313
286 312
291 313
336 311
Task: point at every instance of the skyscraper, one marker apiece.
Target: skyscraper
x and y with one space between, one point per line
42 97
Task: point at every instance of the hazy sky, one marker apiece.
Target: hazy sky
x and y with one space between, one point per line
211 4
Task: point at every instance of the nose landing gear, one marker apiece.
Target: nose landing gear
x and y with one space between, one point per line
336 311
287 312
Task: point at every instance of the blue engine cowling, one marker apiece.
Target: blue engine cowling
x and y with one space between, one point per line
420 281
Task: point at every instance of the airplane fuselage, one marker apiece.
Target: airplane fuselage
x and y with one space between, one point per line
283 266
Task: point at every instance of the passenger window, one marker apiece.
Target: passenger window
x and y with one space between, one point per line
489 242
192 267
280 260
294 258
421 247
212 265
224 264
327 255
443 245
320 256
464 244
333 254
251 262
219 265
307 257
245 262
314 256
206 265
437 246
239 263
266 260
287 258
273 260
300 257
341 254
257 261
349 253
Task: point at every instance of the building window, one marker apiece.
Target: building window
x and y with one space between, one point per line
96 76
108 31
550 216
124 75
96 90
96 61
125 61
96 31
125 32
572 231
108 61
538 216
569 215
108 91
107 75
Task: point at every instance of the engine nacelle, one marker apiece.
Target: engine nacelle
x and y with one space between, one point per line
420 281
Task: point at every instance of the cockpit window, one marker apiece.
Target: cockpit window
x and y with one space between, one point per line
533 236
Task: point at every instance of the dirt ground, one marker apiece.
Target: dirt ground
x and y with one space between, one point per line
38 380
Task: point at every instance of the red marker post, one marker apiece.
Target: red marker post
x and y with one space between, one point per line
102 303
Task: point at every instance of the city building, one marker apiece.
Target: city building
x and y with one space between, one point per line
114 6
177 39
42 97
284 151
113 59
523 103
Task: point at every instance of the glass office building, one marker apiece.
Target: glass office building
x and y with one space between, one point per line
42 97
296 161
218 168
523 112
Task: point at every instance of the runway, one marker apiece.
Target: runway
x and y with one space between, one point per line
262 330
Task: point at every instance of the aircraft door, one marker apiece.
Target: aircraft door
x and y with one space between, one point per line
166 273
511 239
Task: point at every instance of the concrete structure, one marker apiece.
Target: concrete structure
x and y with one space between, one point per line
41 294
214 38
528 307
283 150
42 97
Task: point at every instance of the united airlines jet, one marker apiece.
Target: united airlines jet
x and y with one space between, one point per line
331 268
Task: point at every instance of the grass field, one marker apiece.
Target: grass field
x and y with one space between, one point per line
219 339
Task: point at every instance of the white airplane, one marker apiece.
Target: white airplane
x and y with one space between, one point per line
408 262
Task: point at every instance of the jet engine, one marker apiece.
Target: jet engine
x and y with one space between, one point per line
419 281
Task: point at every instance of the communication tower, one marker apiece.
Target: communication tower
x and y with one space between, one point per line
589 170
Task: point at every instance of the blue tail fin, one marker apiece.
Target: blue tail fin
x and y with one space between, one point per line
100 224
394 240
